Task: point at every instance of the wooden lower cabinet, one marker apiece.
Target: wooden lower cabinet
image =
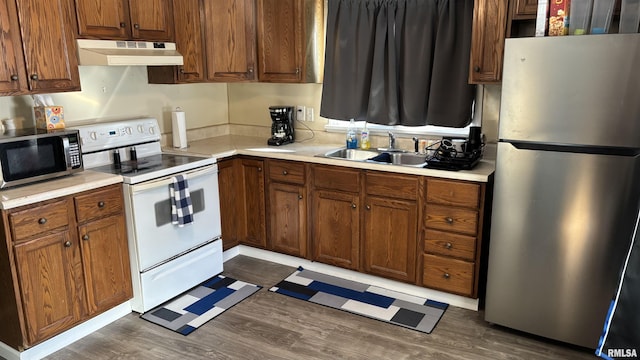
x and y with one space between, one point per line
336 228
63 261
390 238
49 271
229 191
252 203
288 219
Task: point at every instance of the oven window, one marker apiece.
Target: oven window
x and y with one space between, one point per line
163 208
30 158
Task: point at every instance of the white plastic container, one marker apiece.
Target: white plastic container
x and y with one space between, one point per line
579 16
602 14
629 16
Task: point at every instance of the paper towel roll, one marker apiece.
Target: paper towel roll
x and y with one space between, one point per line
179 127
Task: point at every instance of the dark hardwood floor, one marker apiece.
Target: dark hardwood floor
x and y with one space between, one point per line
273 326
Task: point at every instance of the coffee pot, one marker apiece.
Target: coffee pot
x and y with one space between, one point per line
282 118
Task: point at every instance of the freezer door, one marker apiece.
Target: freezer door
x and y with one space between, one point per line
572 90
561 224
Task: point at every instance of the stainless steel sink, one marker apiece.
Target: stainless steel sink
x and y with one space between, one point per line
377 156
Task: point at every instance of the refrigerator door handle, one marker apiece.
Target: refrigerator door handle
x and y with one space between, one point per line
578 149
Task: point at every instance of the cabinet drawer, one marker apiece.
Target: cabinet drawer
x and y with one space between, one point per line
451 275
286 171
447 244
392 185
99 204
447 192
33 221
336 178
451 219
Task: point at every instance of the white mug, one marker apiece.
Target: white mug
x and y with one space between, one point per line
9 124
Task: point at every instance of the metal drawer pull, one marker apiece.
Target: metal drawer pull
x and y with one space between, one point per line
368 207
300 197
448 220
353 206
284 172
42 221
100 204
14 77
67 244
85 237
446 275
448 245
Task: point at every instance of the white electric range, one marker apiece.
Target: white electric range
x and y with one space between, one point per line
166 259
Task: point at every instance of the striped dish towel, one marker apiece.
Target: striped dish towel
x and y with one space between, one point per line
181 208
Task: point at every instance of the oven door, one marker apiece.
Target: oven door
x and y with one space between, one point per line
155 239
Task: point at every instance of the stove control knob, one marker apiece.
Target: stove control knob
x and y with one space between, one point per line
141 129
152 130
93 135
128 130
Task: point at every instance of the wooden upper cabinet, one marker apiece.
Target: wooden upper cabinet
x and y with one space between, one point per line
49 45
280 40
525 9
12 72
487 41
125 19
107 19
189 40
230 34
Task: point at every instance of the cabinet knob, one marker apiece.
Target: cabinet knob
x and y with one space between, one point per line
353 206
67 244
136 26
300 197
446 275
42 221
100 204
259 169
85 237
368 207
14 77
250 70
285 172
448 220
123 24
34 76
448 245
297 70
476 68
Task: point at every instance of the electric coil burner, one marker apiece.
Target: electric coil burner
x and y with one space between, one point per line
166 259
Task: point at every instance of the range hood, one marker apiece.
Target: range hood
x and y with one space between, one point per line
127 53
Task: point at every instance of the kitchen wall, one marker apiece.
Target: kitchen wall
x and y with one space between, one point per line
211 109
121 92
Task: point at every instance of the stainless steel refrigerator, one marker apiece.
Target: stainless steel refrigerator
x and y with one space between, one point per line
567 183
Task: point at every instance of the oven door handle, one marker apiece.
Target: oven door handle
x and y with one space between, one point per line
165 181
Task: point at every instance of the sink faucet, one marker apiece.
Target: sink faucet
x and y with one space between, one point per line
392 141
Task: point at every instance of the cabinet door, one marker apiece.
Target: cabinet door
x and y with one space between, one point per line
103 19
288 219
151 19
487 41
12 74
49 45
105 255
526 8
336 228
253 207
391 228
231 39
50 274
230 209
189 40
280 40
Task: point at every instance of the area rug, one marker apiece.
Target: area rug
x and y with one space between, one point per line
187 312
393 307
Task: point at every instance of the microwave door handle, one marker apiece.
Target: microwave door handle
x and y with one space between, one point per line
65 150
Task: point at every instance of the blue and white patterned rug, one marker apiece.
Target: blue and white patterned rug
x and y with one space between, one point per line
187 312
409 311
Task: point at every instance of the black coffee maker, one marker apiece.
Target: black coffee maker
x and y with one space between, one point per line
281 125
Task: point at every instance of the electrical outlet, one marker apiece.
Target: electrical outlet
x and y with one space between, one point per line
301 113
309 113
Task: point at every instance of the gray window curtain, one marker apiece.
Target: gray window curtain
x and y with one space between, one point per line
398 62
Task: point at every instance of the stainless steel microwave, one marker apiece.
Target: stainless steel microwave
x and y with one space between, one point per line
30 155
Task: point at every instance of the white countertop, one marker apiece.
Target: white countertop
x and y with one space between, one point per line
228 145
45 190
